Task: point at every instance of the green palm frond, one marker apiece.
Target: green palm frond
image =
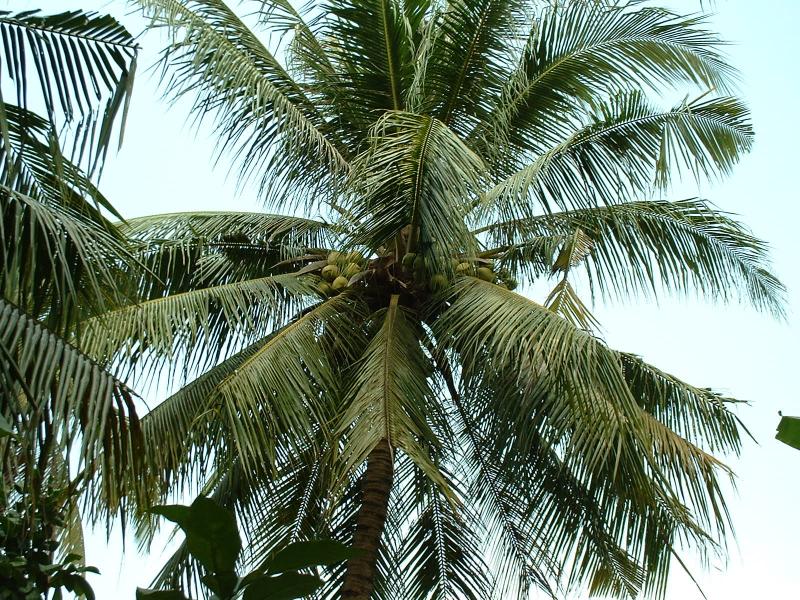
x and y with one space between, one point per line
295 234
199 324
627 148
573 377
60 401
390 394
184 250
471 59
698 414
85 65
442 554
371 48
283 380
32 163
678 482
644 246
578 52
58 263
182 434
564 300
417 173
233 76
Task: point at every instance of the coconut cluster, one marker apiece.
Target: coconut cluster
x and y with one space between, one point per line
436 282
484 269
339 272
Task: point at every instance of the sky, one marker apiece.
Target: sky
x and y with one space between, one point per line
165 167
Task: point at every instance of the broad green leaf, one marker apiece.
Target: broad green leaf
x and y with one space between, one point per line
789 431
177 513
282 587
223 584
6 429
301 555
212 535
145 594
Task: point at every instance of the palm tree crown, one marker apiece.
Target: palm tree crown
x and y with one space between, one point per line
367 371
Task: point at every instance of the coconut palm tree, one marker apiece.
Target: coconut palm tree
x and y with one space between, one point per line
357 362
67 422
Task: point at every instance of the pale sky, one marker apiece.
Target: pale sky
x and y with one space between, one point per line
164 167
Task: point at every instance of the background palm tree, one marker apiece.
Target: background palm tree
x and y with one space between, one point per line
366 370
68 423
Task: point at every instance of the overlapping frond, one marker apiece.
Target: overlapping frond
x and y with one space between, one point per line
669 486
442 554
199 324
389 395
371 46
579 52
57 262
626 149
32 163
509 538
205 249
264 118
417 173
59 401
470 60
644 246
698 414
85 65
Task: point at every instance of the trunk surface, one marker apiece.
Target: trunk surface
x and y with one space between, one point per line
359 580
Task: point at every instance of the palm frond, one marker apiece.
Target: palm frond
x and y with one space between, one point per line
371 48
442 554
182 435
470 60
644 246
697 414
667 483
264 118
417 173
564 300
508 537
58 263
204 249
60 401
199 325
628 148
32 163
578 52
283 380
85 65
389 395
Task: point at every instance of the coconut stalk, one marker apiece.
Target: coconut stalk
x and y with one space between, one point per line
359 580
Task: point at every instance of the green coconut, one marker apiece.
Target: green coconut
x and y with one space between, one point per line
324 288
334 257
408 260
511 283
355 257
351 269
330 272
419 263
463 268
339 283
486 274
438 282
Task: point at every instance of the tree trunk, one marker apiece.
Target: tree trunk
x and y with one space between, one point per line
359 580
